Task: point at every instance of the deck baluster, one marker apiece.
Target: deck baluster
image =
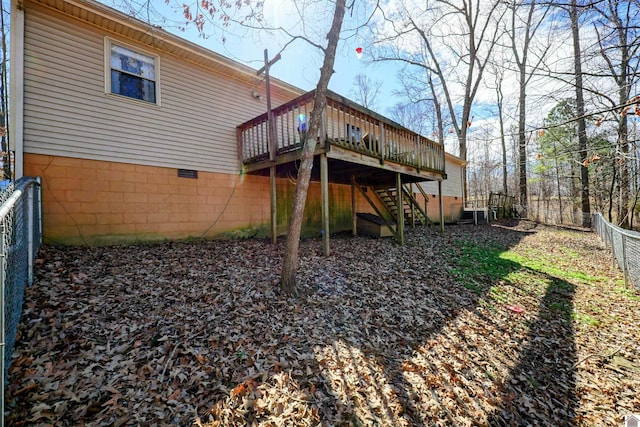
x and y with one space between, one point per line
345 124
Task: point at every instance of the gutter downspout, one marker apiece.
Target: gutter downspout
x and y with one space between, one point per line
16 88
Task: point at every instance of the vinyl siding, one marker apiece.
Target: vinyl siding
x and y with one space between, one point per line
67 112
452 186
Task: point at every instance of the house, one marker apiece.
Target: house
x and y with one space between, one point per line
452 191
140 135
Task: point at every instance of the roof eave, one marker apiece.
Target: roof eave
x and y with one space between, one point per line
107 18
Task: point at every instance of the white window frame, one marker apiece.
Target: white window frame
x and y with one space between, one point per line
108 42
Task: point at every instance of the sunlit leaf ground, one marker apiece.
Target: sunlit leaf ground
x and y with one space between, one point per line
513 324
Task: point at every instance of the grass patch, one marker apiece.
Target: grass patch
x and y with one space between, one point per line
487 268
540 263
585 319
561 306
498 294
476 265
629 294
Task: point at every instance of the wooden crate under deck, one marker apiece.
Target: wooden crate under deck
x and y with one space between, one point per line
372 225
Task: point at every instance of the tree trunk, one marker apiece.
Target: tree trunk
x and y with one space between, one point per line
505 187
290 260
582 133
612 189
555 157
522 139
623 201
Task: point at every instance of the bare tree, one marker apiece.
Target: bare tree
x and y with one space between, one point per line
498 73
290 260
457 54
249 15
582 134
522 34
412 115
618 34
422 109
365 90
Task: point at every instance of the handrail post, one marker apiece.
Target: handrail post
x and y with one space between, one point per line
382 142
239 136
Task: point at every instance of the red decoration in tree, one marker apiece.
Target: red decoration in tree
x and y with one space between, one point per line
359 52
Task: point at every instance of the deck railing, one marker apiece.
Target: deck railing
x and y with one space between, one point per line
346 125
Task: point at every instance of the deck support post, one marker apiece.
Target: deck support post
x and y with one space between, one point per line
441 207
274 211
400 210
324 190
413 209
354 215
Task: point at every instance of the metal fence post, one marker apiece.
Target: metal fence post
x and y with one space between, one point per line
30 219
39 206
3 262
624 266
613 250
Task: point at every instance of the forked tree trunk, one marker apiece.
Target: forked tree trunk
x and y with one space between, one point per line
290 261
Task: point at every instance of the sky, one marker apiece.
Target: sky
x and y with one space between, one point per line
300 62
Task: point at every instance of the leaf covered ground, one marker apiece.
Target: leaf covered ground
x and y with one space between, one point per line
510 324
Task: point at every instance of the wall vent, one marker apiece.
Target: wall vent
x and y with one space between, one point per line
187 173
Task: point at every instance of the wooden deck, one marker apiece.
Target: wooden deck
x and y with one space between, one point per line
356 141
355 146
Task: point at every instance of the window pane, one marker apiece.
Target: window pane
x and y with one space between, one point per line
132 62
133 86
149 91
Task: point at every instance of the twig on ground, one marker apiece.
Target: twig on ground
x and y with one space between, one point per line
597 355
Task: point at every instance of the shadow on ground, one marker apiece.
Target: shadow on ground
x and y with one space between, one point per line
383 335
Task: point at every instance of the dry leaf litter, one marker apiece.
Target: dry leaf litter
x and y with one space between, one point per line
197 333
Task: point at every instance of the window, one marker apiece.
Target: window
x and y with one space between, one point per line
131 74
353 133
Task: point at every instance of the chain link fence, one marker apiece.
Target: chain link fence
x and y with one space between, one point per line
21 227
625 248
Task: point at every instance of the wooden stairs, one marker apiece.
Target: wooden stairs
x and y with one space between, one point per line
412 211
387 199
